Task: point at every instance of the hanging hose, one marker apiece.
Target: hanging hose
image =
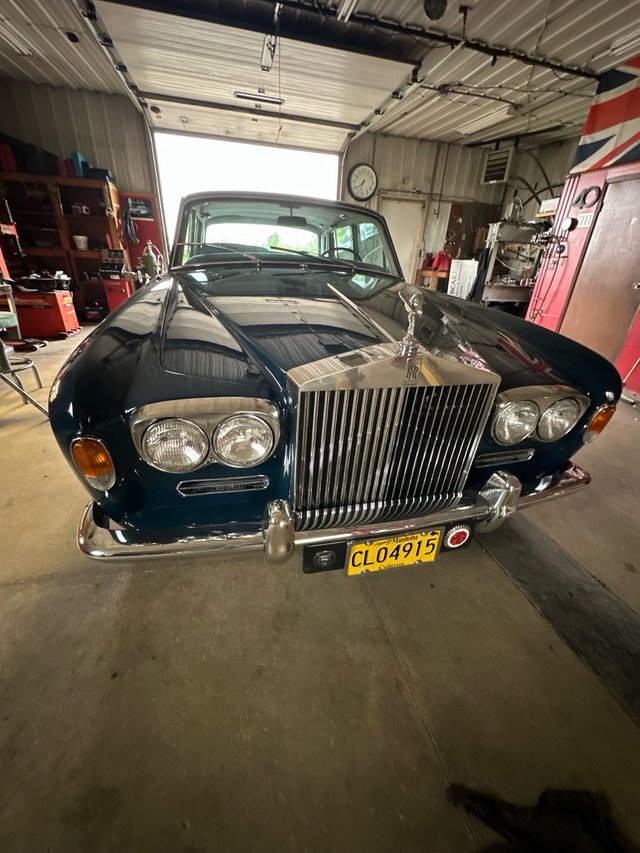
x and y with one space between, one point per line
130 229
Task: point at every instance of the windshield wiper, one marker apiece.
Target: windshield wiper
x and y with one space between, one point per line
340 262
225 248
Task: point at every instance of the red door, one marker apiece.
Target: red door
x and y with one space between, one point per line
604 300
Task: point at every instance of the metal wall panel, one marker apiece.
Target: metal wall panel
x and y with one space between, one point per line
417 168
412 169
555 159
107 129
444 173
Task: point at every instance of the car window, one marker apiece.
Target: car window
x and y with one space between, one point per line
261 236
343 237
371 247
227 229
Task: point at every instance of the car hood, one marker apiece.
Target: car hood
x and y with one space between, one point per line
225 325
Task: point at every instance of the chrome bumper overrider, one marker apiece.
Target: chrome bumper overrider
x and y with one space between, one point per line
499 499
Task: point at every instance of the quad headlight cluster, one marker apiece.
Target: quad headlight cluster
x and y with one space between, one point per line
179 445
547 417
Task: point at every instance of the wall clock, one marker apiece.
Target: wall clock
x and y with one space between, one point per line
362 181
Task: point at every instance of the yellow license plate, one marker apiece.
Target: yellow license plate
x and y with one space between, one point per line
396 551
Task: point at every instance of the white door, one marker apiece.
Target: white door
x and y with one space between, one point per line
406 223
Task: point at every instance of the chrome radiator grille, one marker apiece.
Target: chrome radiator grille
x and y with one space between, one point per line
384 453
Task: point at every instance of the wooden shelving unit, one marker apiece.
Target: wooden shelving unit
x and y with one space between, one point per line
41 206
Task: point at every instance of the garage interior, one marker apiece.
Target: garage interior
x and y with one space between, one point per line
226 704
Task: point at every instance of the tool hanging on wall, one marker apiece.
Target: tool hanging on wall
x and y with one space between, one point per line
130 229
15 233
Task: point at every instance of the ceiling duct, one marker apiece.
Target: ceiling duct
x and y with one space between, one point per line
496 166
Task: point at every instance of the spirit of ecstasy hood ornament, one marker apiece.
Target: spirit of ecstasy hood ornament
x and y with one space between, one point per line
413 304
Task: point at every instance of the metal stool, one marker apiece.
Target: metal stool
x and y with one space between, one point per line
18 363
10 366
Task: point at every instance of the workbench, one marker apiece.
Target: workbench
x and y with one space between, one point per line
434 277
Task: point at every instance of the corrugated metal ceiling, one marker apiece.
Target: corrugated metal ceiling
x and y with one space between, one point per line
207 50
35 47
456 100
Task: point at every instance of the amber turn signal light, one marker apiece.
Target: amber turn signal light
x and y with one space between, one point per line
598 422
94 462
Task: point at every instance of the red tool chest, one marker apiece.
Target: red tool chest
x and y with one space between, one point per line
46 315
118 290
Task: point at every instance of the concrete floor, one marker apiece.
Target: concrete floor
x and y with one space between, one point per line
231 706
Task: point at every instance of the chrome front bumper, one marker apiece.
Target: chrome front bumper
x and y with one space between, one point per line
499 499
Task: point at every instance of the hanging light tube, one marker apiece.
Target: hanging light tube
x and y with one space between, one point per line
259 98
345 9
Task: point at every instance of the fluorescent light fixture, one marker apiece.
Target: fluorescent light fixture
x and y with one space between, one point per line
345 9
268 52
11 35
259 98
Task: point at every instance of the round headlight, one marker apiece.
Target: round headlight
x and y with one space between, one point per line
175 445
558 419
243 440
515 422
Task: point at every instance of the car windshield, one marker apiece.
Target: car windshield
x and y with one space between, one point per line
226 229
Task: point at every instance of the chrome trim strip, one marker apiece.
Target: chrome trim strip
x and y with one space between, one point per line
222 485
101 543
505 457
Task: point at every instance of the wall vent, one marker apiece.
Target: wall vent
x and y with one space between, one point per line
496 166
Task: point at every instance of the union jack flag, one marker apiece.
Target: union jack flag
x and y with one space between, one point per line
611 133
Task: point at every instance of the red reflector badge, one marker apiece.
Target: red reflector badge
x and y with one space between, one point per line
457 536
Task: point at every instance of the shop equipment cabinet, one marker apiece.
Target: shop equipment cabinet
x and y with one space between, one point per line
64 224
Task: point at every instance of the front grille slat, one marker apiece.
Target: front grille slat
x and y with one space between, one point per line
424 459
408 457
445 427
392 444
469 415
346 440
365 454
357 436
444 465
376 455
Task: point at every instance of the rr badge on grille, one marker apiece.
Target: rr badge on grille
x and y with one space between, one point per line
411 371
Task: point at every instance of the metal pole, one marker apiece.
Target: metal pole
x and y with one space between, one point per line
25 395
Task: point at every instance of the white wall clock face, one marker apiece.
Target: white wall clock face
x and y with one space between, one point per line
362 181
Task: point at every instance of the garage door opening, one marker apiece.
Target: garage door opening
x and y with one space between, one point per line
189 164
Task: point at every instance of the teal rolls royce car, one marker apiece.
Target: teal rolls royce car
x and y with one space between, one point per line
283 388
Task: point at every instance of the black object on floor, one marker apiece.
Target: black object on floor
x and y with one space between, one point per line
560 822
600 628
